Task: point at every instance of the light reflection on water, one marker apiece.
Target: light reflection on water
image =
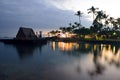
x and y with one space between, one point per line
60 61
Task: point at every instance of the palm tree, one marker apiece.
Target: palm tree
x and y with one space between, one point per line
63 29
106 23
76 24
118 21
70 24
100 16
97 23
53 33
106 20
79 14
111 19
105 16
92 10
115 24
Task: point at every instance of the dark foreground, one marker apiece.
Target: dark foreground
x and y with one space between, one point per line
17 41
59 61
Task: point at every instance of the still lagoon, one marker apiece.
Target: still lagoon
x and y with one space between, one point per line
60 61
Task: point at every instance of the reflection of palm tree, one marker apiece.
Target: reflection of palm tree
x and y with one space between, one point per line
78 68
92 10
79 14
99 68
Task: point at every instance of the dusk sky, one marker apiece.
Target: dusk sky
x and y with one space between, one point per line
49 14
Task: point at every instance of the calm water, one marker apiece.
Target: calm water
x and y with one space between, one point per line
60 61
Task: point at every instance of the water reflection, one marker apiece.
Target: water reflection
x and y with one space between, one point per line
61 61
64 46
102 55
98 66
111 55
26 50
71 48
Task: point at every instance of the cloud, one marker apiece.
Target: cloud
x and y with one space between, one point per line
110 6
73 5
37 14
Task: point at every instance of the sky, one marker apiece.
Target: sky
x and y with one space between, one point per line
46 15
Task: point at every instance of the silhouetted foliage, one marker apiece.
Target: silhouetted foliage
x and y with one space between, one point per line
103 25
92 10
79 14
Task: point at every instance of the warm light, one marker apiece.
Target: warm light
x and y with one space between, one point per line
67 46
53 46
110 54
86 46
62 36
64 46
95 47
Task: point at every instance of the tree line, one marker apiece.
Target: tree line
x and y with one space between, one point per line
103 26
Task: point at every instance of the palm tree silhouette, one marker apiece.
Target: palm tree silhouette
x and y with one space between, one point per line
111 19
79 14
92 10
106 23
106 20
70 24
100 16
118 21
97 23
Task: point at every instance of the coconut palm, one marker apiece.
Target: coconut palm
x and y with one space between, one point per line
53 32
79 14
115 24
105 16
76 24
92 10
106 20
106 23
97 23
118 21
63 29
99 16
70 24
111 19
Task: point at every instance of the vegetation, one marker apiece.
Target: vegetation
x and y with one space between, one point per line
79 14
93 10
103 26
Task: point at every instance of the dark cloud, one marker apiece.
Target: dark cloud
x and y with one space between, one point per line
35 14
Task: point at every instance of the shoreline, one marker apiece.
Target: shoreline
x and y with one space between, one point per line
93 41
17 41
45 40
